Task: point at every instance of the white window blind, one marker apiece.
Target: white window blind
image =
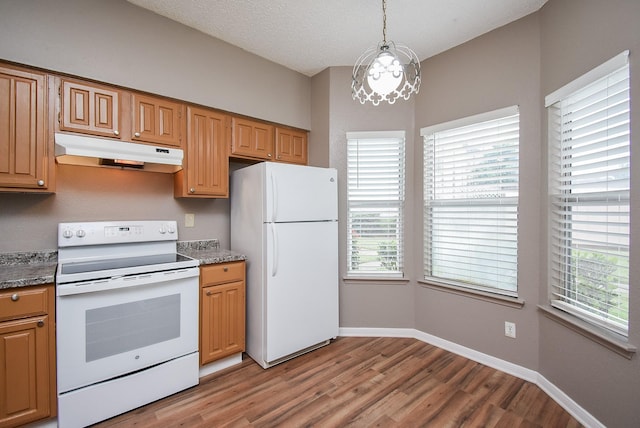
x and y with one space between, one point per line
375 198
589 187
471 172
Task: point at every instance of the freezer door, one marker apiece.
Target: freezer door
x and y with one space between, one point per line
300 193
302 286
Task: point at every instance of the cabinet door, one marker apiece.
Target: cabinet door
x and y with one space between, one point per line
251 139
206 164
90 109
291 146
156 120
223 321
24 153
24 371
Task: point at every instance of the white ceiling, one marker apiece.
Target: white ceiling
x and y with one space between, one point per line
311 35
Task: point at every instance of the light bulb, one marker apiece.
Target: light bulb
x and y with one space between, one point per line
385 73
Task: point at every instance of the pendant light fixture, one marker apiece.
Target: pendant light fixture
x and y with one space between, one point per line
386 72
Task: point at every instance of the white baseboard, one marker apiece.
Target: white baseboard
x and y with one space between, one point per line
581 415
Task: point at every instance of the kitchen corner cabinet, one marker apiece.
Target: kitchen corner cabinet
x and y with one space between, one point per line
156 120
251 139
26 154
27 355
291 146
89 109
205 168
222 310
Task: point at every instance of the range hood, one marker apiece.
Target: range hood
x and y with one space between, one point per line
93 151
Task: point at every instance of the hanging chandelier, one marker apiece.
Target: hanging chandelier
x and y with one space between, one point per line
386 72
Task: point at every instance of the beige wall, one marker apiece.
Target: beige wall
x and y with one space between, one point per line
496 70
116 42
515 64
578 35
366 304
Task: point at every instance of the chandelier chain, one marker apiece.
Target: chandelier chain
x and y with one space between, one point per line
384 22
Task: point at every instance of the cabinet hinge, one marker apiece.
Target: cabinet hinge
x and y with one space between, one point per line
58 117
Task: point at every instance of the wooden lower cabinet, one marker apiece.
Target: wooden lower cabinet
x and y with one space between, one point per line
222 310
27 355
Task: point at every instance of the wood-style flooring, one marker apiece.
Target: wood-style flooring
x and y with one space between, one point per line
357 382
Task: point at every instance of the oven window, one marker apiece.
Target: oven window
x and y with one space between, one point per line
112 330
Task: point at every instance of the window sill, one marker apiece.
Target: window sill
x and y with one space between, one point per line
375 280
611 341
512 302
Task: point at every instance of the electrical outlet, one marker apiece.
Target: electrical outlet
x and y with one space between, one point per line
189 220
510 329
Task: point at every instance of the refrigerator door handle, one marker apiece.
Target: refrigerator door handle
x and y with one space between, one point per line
274 252
274 197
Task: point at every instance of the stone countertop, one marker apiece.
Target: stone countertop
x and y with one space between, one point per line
208 252
26 269
37 268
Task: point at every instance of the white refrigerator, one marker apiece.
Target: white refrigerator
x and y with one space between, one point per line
284 218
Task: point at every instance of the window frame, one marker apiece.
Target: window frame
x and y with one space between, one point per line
398 274
552 102
469 288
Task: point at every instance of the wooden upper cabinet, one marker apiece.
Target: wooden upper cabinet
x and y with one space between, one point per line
205 168
291 146
251 139
156 120
90 109
26 157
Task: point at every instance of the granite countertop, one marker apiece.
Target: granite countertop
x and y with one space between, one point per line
208 252
28 268
37 268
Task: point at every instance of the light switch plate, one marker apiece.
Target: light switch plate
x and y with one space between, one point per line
189 220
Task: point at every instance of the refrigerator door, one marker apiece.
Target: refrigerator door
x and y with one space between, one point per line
300 193
302 286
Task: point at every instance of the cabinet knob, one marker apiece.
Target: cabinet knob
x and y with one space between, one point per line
137 135
40 183
116 132
268 155
15 297
192 190
226 269
40 323
209 293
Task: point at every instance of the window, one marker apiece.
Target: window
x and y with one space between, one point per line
471 202
589 186
375 198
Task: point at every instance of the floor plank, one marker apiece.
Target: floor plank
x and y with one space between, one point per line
357 382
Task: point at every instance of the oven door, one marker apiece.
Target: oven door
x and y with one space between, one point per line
105 330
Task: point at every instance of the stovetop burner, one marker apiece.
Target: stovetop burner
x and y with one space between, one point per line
120 263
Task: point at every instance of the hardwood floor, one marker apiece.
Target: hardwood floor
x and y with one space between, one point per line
357 382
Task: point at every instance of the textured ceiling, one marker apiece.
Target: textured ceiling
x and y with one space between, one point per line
310 35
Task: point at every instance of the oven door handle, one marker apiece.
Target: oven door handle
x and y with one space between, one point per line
125 281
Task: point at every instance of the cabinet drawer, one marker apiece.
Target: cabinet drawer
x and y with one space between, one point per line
23 302
221 273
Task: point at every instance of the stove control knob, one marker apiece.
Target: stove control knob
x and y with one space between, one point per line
67 233
171 229
81 233
163 229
